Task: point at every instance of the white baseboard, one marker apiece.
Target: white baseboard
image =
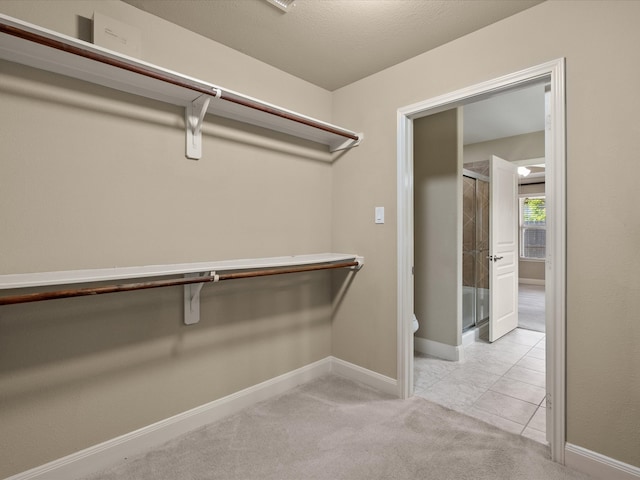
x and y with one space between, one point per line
531 281
598 465
473 335
97 457
437 349
363 375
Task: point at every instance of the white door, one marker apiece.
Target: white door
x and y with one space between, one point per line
503 251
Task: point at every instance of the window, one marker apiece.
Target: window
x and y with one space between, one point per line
533 228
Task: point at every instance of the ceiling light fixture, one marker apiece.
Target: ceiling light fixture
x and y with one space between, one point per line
523 171
284 5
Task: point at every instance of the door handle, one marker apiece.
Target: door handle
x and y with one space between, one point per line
494 258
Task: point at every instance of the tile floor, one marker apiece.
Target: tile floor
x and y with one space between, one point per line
502 383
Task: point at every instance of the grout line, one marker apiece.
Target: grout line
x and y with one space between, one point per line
528 422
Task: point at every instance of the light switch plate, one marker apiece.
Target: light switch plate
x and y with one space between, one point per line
379 218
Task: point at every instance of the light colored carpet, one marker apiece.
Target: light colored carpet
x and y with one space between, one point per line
531 312
333 428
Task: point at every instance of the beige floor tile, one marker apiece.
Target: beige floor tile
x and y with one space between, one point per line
536 435
453 394
507 407
527 375
532 364
537 353
473 375
539 420
520 390
491 364
499 346
523 337
501 383
495 420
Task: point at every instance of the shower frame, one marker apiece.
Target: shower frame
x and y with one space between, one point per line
480 303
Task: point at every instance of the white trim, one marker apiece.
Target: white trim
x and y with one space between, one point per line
440 350
598 465
472 335
553 72
531 281
97 457
555 276
530 161
404 214
368 377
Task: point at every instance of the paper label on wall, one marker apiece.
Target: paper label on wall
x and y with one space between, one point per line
116 36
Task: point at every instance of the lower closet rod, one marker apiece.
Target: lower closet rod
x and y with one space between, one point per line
127 287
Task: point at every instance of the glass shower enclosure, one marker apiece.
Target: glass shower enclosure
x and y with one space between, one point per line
475 245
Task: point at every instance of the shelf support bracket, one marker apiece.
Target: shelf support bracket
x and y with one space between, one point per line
192 298
347 144
194 116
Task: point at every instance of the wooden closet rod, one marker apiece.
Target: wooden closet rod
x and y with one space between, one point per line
140 70
127 287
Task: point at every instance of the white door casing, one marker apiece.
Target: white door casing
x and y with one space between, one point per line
503 252
553 73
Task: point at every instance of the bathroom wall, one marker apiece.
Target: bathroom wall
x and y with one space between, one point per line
438 227
517 147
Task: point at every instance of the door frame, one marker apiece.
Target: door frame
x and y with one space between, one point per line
553 73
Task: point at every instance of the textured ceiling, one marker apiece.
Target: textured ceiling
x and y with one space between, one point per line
505 115
333 43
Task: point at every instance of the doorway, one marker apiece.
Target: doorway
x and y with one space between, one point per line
551 73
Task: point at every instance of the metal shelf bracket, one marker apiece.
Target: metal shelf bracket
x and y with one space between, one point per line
192 297
347 144
193 117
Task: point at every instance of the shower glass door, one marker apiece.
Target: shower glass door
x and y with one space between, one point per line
475 246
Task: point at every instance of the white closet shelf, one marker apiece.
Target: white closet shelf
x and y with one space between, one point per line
45 49
69 277
195 275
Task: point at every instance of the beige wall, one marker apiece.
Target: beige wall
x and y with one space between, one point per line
517 147
437 227
91 177
598 40
531 270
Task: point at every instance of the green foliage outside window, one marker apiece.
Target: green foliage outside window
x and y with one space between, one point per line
534 211
533 226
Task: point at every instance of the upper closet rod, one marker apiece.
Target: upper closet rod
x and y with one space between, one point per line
127 287
75 50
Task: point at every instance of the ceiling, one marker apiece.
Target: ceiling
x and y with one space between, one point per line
511 113
332 43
